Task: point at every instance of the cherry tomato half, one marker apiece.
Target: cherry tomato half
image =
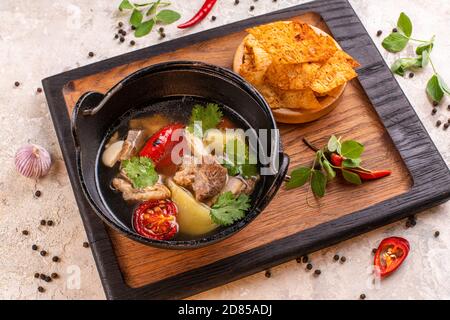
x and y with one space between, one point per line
160 145
390 255
156 219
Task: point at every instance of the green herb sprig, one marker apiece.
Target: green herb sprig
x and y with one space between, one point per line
397 41
229 209
153 14
141 172
322 170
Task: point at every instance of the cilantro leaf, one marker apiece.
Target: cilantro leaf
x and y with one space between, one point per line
204 118
229 209
141 172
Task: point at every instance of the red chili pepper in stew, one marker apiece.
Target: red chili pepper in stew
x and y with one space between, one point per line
200 15
156 219
390 255
160 145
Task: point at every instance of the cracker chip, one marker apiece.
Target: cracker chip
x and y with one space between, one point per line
300 99
255 61
335 72
292 76
293 42
271 95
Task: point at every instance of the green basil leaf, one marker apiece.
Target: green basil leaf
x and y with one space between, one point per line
136 18
318 183
167 16
153 8
434 89
404 24
395 42
299 177
125 4
333 144
351 163
401 65
443 85
351 177
425 58
144 28
427 46
331 174
351 149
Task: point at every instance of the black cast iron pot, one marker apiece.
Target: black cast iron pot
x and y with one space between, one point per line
170 88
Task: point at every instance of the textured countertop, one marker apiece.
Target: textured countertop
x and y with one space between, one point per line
42 38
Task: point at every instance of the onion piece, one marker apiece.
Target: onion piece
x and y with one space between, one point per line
111 155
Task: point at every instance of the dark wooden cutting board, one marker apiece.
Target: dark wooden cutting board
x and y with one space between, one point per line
373 110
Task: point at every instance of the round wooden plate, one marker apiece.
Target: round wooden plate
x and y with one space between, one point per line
286 115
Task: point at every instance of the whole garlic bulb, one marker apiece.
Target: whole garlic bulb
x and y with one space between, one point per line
32 161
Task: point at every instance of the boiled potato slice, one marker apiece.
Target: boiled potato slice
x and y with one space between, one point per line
193 217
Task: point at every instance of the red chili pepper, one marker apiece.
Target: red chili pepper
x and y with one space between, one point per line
160 145
200 15
390 255
336 160
371 175
156 219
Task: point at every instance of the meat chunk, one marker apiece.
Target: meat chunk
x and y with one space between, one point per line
205 180
155 192
131 146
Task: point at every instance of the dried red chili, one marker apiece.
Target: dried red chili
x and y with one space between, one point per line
390 255
200 15
156 219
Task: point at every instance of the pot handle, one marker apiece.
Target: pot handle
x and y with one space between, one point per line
284 165
88 102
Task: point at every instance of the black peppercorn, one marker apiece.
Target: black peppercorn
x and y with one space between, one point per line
39 90
374 250
446 126
120 31
305 259
299 260
122 39
343 259
43 253
411 75
438 123
116 36
43 222
408 224
336 257
55 259
25 232
124 33
132 43
91 54
54 275
362 296
38 193
47 279
213 18
274 0
163 35
434 111
17 83
435 103
252 8
413 223
317 272
268 274
236 2
86 244
436 234
161 29
120 24
50 223
394 30
133 28
379 32
36 275
41 289
448 107
309 266
42 276
34 247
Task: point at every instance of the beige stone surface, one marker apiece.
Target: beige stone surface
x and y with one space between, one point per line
42 38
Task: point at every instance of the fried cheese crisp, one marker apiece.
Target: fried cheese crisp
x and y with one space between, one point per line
255 61
292 76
